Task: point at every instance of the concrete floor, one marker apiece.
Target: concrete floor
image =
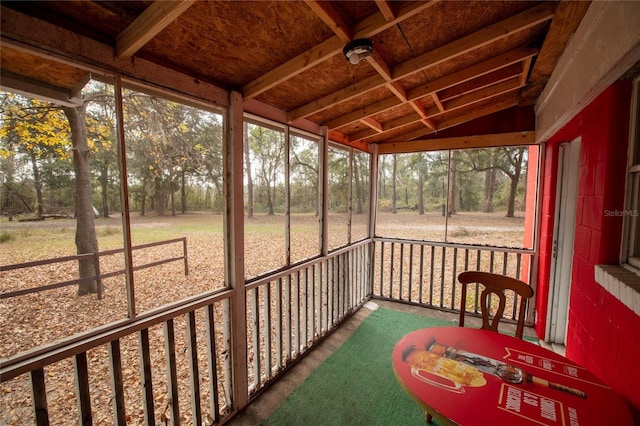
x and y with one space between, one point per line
266 403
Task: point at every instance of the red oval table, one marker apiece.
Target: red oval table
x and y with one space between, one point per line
467 376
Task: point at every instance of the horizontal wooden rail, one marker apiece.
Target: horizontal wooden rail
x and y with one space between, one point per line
99 277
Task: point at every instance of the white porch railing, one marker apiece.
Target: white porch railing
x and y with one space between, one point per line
287 314
425 273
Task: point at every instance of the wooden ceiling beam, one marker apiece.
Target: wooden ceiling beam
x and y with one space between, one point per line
467 74
437 102
374 124
386 9
332 17
505 102
336 22
376 61
36 89
366 28
473 41
367 111
566 19
424 117
153 20
526 67
481 82
462 142
474 71
481 38
345 94
457 103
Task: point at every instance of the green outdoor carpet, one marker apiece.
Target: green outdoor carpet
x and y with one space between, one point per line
356 384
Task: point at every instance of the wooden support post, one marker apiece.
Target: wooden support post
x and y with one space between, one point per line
234 246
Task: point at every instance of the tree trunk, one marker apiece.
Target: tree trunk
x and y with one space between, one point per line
37 181
247 163
420 194
143 202
451 195
490 177
515 178
159 196
270 198
513 188
183 192
86 240
394 193
104 183
359 191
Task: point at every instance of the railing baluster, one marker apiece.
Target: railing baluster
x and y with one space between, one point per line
305 308
477 290
410 272
421 276
442 269
315 312
82 388
279 334
115 373
194 373
340 287
336 288
454 276
172 375
214 403
401 273
392 269
256 337
296 309
267 330
287 316
319 303
382 268
39 397
145 376
432 267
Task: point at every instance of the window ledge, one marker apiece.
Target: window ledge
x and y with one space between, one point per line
623 284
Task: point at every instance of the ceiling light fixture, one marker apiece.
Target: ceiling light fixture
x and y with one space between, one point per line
357 50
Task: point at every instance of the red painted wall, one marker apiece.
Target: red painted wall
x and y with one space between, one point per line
603 334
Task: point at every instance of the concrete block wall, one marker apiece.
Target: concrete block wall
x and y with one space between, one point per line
603 331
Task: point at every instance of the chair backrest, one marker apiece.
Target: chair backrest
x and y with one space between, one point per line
495 284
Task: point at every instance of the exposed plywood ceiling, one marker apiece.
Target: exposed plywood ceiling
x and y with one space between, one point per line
435 65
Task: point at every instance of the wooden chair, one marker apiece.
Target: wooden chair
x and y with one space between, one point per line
494 284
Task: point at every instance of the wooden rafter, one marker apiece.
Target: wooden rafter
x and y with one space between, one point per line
481 82
366 28
463 142
337 23
500 104
374 124
386 9
467 74
334 20
153 20
37 89
455 104
437 102
476 40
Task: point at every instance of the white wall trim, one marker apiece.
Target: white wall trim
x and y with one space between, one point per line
623 284
605 45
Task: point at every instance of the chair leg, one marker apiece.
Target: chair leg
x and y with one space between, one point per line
428 417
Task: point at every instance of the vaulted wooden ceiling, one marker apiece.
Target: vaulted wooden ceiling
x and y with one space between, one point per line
436 67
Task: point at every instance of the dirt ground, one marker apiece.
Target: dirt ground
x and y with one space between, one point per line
32 320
